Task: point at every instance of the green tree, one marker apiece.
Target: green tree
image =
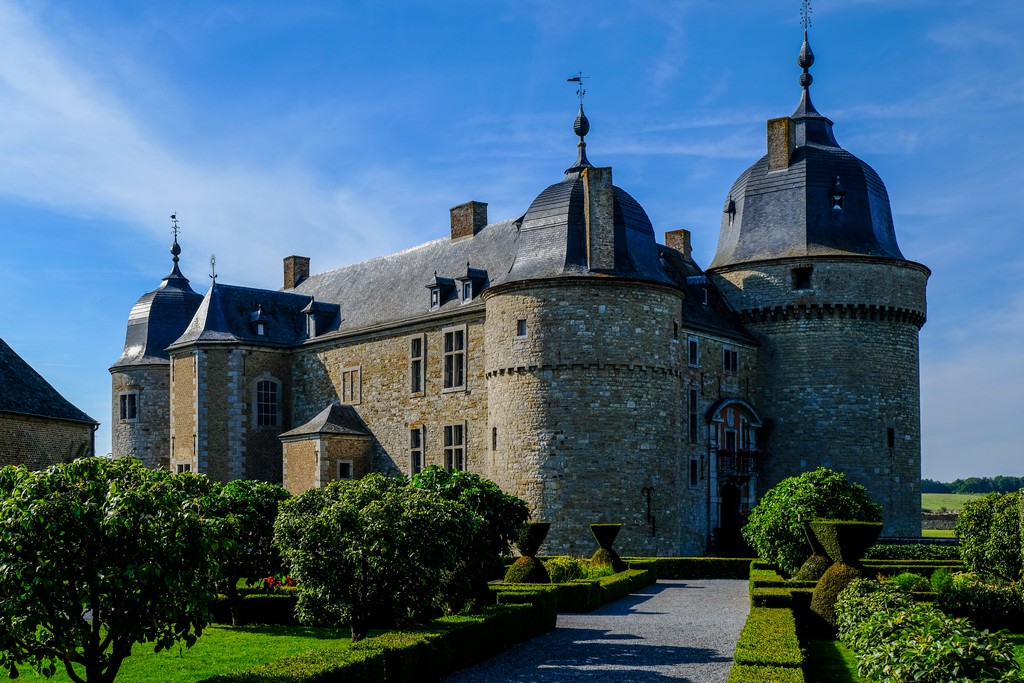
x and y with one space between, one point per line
249 509
374 551
989 530
503 516
97 555
775 527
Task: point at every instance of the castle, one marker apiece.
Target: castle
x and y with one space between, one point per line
568 356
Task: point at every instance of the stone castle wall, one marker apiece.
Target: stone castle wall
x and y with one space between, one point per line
385 401
184 407
838 368
38 442
585 405
148 436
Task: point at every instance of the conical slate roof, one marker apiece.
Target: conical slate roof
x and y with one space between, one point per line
826 202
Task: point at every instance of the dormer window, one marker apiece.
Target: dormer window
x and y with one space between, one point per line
730 209
704 291
261 329
259 321
435 298
467 291
473 282
311 324
838 195
441 288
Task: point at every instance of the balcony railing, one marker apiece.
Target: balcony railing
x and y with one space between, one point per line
741 463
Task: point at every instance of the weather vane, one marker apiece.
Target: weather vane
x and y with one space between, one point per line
174 223
805 14
213 267
578 78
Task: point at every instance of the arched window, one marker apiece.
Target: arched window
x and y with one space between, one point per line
267 402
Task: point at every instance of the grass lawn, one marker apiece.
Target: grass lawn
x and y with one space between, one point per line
221 649
935 502
937 533
828 661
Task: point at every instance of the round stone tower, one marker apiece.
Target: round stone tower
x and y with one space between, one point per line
140 379
807 256
582 369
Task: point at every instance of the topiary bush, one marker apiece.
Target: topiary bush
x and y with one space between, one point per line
775 529
815 566
605 556
989 530
845 542
527 568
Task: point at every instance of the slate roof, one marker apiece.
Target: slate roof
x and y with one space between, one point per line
158 318
24 391
789 213
339 419
714 317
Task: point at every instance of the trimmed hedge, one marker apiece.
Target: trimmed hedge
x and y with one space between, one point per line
913 552
584 595
769 639
763 674
447 644
695 567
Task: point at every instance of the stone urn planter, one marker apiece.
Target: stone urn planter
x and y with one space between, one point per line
527 568
605 535
819 561
845 542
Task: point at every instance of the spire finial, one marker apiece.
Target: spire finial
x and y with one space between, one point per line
805 14
581 126
175 249
213 267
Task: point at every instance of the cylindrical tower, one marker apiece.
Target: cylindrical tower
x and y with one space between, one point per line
582 370
140 379
807 256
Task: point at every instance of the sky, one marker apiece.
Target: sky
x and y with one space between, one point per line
345 130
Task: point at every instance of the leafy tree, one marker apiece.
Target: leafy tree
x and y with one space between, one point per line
249 508
989 530
503 516
98 555
932 486
775 527
373 551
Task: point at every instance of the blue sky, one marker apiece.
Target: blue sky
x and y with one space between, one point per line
345 130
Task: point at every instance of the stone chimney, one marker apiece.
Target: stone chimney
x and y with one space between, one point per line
680 241
296 269
599 215
468 219
781 143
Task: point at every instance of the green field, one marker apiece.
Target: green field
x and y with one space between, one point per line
936 502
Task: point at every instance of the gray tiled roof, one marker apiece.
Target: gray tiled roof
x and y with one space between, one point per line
714 317
334 419
157 319
24 391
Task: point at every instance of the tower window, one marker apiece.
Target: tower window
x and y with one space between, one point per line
351 384
494 438
521 327
266 403
184 467
416 364
416 462
694 472
344 469
730 361
802 277
837 195
693 357
693 416
129 406
890 437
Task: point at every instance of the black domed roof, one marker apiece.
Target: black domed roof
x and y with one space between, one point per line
825 202
158 318
553 235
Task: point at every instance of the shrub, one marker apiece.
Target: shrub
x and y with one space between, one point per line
990 535
912 551
837 578
909 582
564 569
918 643
861 599
990 605
941 579
775 529
527 569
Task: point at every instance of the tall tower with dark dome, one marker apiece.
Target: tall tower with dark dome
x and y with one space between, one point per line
807 255
140 378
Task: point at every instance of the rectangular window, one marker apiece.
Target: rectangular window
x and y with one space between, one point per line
351 384
494 438
435 298
467 291
521 327
184 467
416 461
692 351
890 437
344 469
266 403
730 441
802 277
417 358
455 358
694 472
730 361
130 406
693 416
455 446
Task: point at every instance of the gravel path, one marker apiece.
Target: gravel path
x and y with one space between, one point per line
671 631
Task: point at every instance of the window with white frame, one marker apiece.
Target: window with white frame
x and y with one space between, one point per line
184 467
129 401
467 291
692 351
351 384
730 360
417 364
521 327
345 469
454 358
416 459
455 446
267 403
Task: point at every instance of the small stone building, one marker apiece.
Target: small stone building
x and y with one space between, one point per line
582 364
38 426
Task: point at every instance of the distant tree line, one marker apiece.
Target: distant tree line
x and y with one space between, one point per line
998 484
